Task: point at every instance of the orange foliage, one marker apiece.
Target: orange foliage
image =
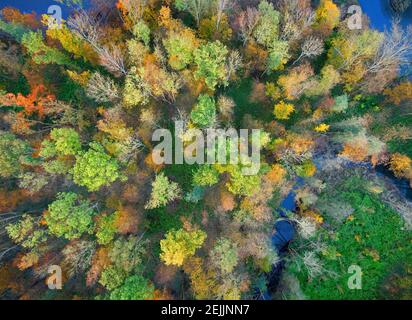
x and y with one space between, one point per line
127 220
276 174
227 201
355 151
162 295
401 165
255 57
300 144
402 92
9 200
33 103
14 15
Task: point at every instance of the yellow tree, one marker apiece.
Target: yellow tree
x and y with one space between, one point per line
180 245
283 110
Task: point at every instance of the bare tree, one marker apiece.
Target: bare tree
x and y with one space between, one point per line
297 16
221 7
234 62
102 89
248 20
197 8
312 47
88 29
395 49
112 59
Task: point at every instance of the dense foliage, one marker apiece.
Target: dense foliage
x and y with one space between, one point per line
80 188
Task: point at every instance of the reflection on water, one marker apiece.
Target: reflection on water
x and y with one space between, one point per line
380 13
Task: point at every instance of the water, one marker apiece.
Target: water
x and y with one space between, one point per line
38 6
380 14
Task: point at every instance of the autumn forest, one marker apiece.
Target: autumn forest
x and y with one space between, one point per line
86 210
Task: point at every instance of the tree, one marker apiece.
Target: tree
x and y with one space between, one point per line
70 41
283 110
205 176
106 229
13 154
41 53
136 91
102 89
311 47
135 287
226 106
69 216
66 141
278 55
95 168
180 46
210 60
27 232
78 255
221 7
225 255
127 253
247 22
267 30
394 50
399 93
163 192
142 32
15 16
180 245
322 84
401 165
112 278
197 8
295 82
239 183
327 14
204 113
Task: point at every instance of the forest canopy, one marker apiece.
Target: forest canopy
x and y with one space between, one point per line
81 99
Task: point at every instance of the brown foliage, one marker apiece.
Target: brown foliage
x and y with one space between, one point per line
127 220
101 260
14 15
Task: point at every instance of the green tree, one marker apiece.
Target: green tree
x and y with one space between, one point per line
13 153
40 52
206 175
267 30
127 253
106 229
210 60
66 140
142 32
27 232
95 168
204 113
163 192
134 288
112 278
69 216
180 245
180 47
225 255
